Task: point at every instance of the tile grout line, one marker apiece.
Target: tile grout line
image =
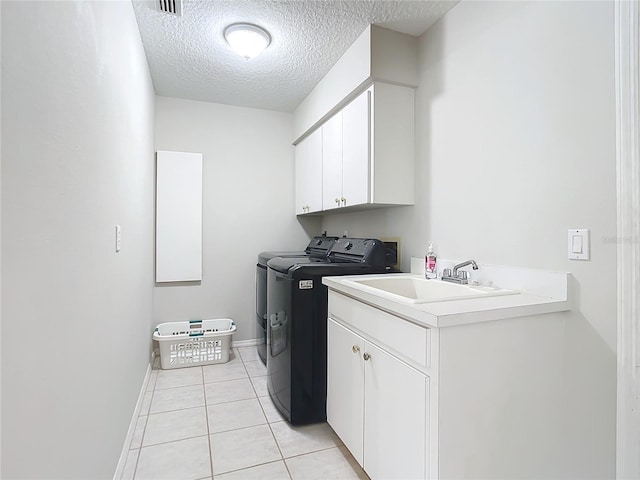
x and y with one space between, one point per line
164 389
275 439
135 470
144 430
286 466
206 409
173 441
324 449
177 409
282 459
209 433
147 414
252 466
206 416
269 424
153 391
265 417
257 397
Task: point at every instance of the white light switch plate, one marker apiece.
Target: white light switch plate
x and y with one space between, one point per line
578 244
118 238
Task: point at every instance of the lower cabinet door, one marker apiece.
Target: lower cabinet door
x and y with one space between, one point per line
345 386
395 418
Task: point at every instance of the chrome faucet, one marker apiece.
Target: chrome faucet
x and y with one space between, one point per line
456 276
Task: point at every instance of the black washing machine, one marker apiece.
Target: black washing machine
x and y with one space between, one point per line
318 247
297 324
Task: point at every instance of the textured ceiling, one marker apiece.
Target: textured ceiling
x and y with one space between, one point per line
189 57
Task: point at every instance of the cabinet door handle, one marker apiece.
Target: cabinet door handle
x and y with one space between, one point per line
344 201
337 201
366 356
355 349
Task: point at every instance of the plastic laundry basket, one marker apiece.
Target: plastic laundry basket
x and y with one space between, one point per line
194 342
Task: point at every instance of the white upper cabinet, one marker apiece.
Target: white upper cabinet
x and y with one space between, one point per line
392 146
364 108
367 152
346 155
356 151
378 53
309 174
332 162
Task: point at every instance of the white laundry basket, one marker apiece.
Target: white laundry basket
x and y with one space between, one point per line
194 342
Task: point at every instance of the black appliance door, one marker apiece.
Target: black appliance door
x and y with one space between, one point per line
261 310
278 340
296 345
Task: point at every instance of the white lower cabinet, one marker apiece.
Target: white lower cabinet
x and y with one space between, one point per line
395 409
345 387
378 406
464 401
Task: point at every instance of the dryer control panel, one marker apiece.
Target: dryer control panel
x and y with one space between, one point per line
358 250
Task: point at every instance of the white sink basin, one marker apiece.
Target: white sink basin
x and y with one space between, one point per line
414 289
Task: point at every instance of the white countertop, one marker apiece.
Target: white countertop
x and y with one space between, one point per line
452 312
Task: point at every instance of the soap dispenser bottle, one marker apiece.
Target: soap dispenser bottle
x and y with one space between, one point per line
430 259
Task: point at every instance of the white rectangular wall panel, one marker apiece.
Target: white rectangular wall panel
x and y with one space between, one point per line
178 217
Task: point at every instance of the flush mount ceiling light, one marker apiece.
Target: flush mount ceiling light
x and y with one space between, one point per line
247 40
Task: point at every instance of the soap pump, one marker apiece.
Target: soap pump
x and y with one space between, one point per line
430 258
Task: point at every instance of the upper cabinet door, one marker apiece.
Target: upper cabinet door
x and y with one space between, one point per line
332 162
309 174
356 151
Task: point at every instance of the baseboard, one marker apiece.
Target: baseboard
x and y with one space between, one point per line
247 343
134 421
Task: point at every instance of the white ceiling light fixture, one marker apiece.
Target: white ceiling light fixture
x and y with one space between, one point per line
247 40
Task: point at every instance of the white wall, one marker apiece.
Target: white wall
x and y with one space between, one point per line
515 142
248 205
77 159
0 245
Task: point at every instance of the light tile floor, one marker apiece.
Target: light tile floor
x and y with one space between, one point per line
218 422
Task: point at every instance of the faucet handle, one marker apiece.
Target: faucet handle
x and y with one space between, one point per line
446 272
463 275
